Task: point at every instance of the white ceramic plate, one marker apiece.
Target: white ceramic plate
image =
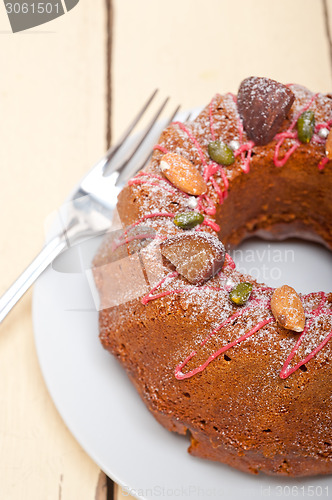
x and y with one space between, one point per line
104 412
102 409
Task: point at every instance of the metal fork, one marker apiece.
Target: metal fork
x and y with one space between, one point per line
89 209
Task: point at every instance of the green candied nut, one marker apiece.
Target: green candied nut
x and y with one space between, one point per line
240 293
306 126
188 220
221 153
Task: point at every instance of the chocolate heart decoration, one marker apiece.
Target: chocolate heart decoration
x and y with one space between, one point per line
263 105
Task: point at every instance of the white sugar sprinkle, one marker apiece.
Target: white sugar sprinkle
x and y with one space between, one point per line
164 166
192 202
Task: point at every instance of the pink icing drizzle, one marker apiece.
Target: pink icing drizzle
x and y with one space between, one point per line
206 222
149 297
286 370
280 138
322 163
127 239
146 180
229 261
289 135
211 224
161 148
151 216
178 370
245 151
244 148
205 204
209 170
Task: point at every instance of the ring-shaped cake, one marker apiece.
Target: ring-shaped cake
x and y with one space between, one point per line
245 369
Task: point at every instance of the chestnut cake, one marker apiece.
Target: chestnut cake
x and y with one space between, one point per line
244 369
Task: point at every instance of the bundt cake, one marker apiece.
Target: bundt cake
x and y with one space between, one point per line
245 369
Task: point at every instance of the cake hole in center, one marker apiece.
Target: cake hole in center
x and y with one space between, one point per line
304 265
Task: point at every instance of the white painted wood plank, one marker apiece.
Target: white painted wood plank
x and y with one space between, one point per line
52 129
195 48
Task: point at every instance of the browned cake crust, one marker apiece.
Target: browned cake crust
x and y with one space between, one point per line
246 408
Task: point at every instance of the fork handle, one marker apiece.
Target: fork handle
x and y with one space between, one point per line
51 250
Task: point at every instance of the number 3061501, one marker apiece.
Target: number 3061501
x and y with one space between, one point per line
302 491
32 8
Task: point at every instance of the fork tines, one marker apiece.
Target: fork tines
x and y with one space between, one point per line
133 151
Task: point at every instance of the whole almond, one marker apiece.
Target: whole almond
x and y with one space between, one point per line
328 146
182 173
287 308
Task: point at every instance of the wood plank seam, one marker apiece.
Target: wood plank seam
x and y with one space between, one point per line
101 490
327 30
110 489
60 486
109 39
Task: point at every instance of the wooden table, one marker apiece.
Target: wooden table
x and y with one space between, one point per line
64 88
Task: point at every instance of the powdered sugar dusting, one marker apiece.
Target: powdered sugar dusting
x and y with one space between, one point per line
160 200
